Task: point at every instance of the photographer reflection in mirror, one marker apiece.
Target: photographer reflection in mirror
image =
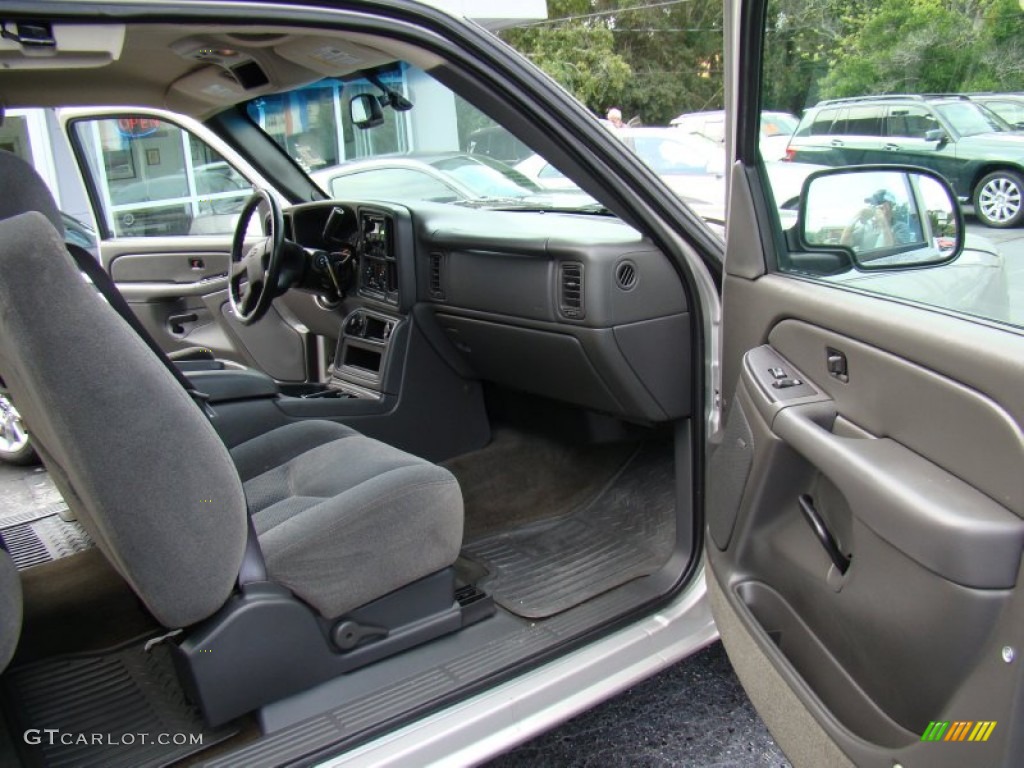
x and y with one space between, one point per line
876 226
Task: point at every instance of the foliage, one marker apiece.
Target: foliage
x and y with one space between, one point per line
651 62
656 59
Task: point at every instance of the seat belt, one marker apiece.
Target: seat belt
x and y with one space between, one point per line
88 264
253 567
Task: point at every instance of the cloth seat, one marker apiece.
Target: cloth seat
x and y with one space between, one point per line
323 499
342 519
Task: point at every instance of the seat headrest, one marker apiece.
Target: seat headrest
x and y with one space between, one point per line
23 190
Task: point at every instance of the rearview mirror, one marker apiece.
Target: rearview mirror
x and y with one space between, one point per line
365 111
935 134
884 217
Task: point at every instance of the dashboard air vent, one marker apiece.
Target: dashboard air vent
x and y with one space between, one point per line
625 275
437 275
571 290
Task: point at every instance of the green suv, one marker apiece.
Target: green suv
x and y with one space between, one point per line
979 153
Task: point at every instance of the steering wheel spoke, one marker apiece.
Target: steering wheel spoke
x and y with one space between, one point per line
255 272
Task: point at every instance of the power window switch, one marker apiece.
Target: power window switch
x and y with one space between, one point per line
786 383
778 373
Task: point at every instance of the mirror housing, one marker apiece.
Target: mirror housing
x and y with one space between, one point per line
882 217
936 134
365 111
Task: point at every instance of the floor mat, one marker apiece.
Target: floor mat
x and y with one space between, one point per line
521 477
122 708
627 531
42 540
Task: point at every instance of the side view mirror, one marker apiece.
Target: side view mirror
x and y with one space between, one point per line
936 134
365 111
883 217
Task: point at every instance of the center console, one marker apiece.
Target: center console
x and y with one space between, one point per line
363 353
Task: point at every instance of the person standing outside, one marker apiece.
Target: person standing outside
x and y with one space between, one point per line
615 118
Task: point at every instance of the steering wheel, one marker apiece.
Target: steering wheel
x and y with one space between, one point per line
254 276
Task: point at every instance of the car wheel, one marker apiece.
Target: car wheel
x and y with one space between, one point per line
999 199
15 447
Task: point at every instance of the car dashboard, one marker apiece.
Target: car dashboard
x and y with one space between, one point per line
573 307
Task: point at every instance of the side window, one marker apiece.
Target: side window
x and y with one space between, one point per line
822 125
864 121
154 179
391 183
910 122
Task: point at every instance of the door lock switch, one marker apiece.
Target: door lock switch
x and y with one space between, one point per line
835 362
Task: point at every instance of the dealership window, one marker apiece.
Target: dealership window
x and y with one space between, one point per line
313 126
154 179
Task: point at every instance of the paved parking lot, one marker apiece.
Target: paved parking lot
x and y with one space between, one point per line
1011 244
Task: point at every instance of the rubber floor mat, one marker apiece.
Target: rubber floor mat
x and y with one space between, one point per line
122 708
42 540
626 532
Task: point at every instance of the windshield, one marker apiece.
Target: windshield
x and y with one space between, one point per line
970 119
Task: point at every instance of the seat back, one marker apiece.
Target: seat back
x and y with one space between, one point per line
138 462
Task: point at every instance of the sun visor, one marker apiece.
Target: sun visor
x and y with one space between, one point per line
60 46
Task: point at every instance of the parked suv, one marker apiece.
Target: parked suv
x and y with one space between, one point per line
976 150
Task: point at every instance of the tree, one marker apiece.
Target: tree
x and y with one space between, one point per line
650 58
579 53
929 46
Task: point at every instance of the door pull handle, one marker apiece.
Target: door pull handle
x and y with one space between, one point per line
822 533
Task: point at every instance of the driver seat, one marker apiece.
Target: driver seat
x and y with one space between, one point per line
303 553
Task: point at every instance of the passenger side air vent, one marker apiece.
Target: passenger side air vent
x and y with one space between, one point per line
625 275
437 275
570 285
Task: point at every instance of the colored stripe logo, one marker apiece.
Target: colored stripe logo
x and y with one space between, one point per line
959 730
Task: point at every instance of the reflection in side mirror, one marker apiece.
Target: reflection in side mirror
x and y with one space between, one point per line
365 111
886 218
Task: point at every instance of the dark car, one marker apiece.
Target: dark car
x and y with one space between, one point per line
976 150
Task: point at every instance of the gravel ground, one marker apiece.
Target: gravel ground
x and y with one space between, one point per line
694 714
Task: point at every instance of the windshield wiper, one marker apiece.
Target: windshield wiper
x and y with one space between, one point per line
532 205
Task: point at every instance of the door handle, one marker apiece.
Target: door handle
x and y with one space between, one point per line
822 533
837 143
933 517
891 147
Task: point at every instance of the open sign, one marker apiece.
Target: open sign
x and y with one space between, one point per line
138 127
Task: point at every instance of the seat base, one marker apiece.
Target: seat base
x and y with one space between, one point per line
265 644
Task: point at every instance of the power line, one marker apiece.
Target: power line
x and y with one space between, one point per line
598 14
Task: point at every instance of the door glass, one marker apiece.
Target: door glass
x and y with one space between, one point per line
154 179
910 122
892 236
